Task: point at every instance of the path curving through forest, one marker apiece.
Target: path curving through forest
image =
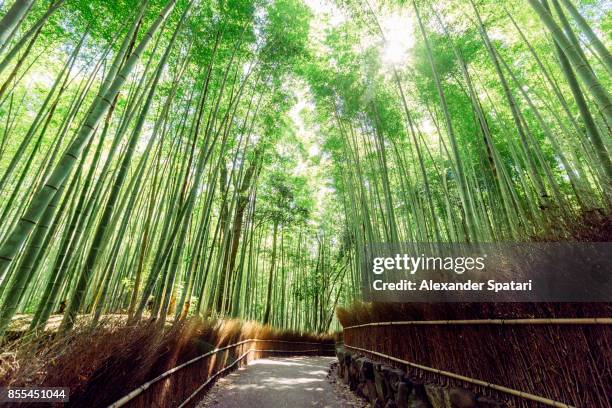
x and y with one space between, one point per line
277 382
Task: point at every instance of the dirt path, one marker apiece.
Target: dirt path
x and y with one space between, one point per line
291 382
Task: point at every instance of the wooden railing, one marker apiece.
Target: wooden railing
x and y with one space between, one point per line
418 345
169 389
536 321
484 384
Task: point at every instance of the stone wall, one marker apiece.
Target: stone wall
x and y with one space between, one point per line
389 387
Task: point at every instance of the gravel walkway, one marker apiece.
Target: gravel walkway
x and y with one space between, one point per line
291 382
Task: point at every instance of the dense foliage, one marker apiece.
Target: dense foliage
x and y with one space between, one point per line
235 158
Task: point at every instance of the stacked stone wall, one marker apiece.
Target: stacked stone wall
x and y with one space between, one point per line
385 386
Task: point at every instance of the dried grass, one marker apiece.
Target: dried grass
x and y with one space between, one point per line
571 364
102 363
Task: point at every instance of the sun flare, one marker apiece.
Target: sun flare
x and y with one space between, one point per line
399 38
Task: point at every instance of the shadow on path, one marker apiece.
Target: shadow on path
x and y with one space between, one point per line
276 382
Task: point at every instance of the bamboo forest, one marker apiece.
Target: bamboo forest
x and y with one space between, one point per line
162 160
233 158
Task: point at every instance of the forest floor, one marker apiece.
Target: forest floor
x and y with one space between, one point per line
280 382
21 322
